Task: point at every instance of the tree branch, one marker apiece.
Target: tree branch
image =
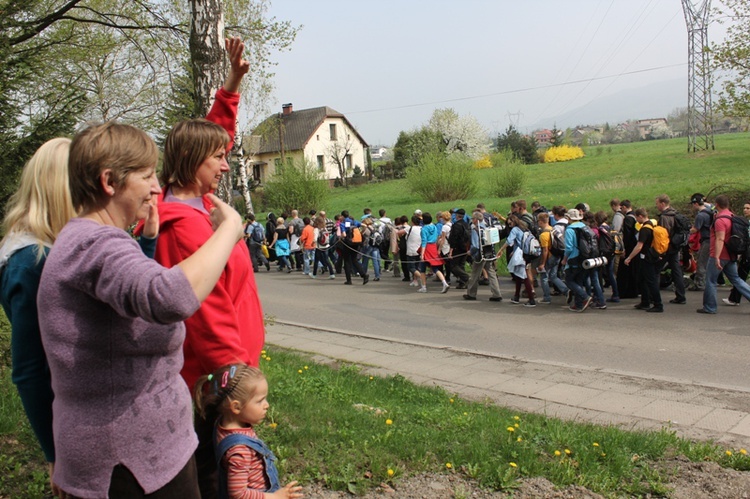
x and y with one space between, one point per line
44 23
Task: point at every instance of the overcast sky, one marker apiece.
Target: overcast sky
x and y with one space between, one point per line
388 64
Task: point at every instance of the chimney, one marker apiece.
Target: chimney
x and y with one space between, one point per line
287 109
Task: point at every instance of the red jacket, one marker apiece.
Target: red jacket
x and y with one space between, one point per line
228 327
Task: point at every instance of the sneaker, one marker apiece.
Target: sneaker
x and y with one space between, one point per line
656 309
461 285
268 267
405 279
469 297
530 304
677 301
573 308
614 299
494 298
288 271
545 302
376 279
484 282
446 287
587 303
313 276
515 300
414 283
601 306
704 311
729 302
348 283
365 279
423 289
641 306
332 276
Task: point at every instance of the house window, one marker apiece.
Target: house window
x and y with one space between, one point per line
348 162
332 130
258 173
277 162
317 137
321 164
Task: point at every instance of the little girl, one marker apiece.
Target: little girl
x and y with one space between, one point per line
247 467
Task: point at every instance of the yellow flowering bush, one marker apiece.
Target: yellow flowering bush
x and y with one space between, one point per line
562 153
483 162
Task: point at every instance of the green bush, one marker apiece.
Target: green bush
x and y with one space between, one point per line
437 177
508 177
298 185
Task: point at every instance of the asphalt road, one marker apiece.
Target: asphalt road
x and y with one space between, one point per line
678 345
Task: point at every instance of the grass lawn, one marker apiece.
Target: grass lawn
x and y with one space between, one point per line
638 171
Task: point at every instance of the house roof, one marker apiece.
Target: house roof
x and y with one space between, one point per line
297 126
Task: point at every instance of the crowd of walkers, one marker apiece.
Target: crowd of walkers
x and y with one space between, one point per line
575 253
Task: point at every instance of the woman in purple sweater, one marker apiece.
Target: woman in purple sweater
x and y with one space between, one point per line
111 325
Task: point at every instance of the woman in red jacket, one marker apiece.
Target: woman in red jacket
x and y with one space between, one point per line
228 328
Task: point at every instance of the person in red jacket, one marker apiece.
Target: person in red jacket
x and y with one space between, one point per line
228 328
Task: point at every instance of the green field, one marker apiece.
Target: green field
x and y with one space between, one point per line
638 171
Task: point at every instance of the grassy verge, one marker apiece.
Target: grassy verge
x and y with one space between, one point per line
352 432
638 171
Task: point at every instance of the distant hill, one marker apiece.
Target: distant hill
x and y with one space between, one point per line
652 101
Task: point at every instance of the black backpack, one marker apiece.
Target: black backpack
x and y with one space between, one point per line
587 246
606 244
680 232
738 242
459 237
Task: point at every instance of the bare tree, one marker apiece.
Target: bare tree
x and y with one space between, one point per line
340 153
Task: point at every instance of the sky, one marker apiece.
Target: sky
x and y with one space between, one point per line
388 64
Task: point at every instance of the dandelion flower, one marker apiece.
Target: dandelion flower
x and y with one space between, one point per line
371 378
558 453
519 439
517 418
728 453
307 367
596 444
388 422
448 465
263 352
743 452
390 472
513 465
567 451
517 425
273 425
511 429
466 413
268 359
450 400
604 454
299 371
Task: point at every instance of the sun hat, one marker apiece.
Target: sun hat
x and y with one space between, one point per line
573 214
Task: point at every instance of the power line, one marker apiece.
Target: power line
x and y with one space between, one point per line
518 90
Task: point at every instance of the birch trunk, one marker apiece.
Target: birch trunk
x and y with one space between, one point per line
209 64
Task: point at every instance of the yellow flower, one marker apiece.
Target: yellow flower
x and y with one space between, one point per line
511 429
516 418
743 452
388 421
728 453
299 371
390 472
448 465
263 352
513 465
519 439
371 378
517 425
306 368
450 400
466 413
273 425
567 451
596 444
268 359
604 454
558 453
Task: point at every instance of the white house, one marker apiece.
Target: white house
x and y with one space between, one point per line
321 135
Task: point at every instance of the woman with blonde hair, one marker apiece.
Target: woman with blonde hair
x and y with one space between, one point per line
35 215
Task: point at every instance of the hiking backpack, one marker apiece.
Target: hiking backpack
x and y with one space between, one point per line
618 241
557 243
257 233
587 246
738 242
660 242
459 237
530 246
606 244
324 237
680 232
376 237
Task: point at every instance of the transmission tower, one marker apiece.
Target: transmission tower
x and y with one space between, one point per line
700 116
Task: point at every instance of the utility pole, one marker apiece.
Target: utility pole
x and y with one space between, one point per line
700 116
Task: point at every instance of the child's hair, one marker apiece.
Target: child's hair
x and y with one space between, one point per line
213 392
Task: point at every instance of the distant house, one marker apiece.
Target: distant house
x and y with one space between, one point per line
644 126
321 135
543 137
378 152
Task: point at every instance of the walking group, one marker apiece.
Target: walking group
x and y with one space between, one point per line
575 253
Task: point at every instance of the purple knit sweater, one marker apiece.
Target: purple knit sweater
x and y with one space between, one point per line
110 321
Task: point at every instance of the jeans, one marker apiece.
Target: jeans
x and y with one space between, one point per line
612 279
549 276
256 256
743 269
371 253
596 285
712 276
699 281
309 256
321 258
575 278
